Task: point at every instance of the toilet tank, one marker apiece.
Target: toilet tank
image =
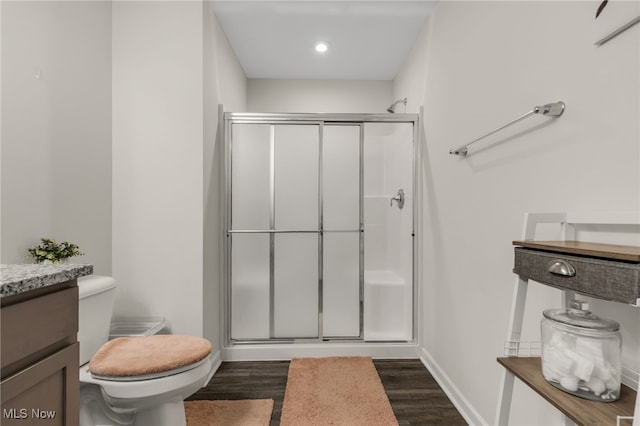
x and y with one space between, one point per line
96 298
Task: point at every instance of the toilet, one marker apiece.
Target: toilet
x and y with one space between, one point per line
139 398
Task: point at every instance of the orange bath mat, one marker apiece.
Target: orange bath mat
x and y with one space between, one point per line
246 412
344 391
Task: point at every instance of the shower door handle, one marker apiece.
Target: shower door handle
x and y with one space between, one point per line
399 199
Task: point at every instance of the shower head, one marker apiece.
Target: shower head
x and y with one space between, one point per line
392 108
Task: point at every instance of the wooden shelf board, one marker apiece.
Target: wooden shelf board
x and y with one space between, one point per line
581 411
607 251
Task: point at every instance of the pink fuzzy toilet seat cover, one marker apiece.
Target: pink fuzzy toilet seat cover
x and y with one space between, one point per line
137 356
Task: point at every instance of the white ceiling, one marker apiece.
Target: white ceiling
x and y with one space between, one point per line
369 39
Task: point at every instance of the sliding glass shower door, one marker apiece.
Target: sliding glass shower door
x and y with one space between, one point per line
342 225
295 237
297 267
290 184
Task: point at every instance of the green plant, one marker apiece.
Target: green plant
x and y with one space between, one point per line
54 252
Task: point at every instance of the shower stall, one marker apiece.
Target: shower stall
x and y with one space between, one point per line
320 225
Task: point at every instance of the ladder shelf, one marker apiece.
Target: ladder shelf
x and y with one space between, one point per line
623 262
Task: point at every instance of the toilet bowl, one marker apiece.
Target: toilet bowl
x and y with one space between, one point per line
150 399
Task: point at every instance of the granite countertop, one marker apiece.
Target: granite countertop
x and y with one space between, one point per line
15 279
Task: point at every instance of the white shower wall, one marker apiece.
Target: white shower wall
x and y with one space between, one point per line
388 263
388 158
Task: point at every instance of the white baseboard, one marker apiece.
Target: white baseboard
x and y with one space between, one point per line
468 412
216 362
278 352
630 377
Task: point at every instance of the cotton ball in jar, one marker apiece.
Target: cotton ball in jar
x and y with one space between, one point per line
612 384
570 383
603 372
596 385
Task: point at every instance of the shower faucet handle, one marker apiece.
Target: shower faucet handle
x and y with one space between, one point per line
399 199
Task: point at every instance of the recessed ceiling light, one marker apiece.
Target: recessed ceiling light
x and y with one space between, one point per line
321 46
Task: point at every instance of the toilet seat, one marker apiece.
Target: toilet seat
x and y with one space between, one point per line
150 376
126 393
133 358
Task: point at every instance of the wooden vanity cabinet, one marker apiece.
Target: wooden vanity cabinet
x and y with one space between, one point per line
40 356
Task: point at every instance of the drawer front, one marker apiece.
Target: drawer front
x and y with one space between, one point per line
618 281
33 325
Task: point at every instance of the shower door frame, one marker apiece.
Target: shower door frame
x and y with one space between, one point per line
319 119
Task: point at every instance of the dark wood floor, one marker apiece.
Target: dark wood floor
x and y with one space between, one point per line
415 396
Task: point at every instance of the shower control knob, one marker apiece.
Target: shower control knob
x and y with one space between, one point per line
399 199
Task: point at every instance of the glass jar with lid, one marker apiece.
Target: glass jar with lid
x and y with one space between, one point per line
581 353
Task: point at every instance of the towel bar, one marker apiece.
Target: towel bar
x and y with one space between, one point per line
554 109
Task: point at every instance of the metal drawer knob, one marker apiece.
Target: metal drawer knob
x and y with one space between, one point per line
560 267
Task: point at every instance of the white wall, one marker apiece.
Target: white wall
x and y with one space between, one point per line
172 65
475 66
224 83
158 161
56 137
271 95
1 168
